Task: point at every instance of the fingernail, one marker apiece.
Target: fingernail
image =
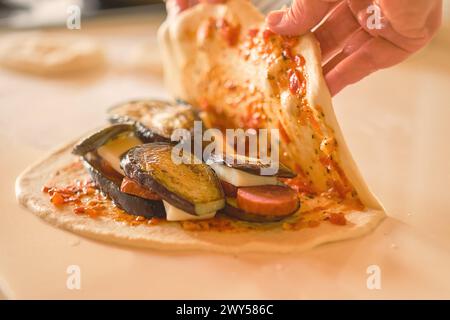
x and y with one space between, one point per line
275 17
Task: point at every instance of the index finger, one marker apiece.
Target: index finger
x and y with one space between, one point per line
301 17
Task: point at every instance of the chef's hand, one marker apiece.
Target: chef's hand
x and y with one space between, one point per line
353 42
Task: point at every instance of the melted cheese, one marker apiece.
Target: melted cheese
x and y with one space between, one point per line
241 178
175 214
114 149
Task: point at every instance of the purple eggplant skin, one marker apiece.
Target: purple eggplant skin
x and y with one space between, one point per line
132 112
99 138
131 166
129 203
146 135
135 160
142 132
239 214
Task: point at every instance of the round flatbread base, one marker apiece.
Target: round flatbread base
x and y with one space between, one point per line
171 236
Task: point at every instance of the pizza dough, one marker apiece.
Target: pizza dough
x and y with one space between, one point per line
199 70
48 54
186 66
171 236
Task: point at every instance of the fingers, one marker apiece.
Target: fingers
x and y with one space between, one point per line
339 25
356 41
408 25
411 21
300 18
335 30
375 54
174 7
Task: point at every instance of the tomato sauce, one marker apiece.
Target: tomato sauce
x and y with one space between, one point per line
263 46
85 199
229 32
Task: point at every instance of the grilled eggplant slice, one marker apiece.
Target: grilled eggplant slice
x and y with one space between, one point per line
109 184
250 165
101 137
193 188
110 143
231 209
155 119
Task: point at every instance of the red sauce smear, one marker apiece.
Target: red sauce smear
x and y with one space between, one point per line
229 32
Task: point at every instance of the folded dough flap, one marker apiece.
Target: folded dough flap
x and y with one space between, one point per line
222 59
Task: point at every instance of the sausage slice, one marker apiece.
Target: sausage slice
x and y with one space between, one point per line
268 200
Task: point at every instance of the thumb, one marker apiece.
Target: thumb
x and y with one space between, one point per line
300 18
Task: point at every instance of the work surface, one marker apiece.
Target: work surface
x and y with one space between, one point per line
397 124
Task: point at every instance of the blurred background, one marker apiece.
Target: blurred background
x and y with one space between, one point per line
44 13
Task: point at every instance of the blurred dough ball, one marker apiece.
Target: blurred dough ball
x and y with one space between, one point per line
146 57
49 54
